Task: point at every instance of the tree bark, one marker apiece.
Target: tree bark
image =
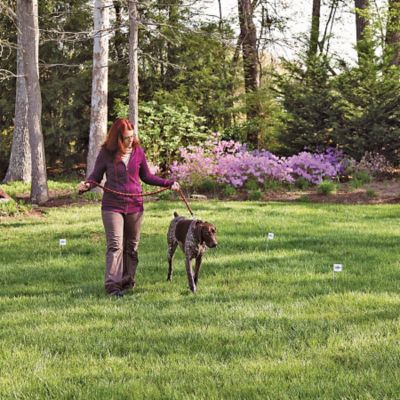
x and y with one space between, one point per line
98 115
229 98
20 165
133 64
119 36
362 24
314 35
392 45
30 40
248 34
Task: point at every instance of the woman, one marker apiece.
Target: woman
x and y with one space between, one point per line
123 161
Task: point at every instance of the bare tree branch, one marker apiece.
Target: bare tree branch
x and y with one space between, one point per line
331 17
5 75
8 11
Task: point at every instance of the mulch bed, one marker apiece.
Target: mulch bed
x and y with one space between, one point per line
340 197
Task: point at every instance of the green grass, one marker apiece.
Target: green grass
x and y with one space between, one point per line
268 322
20 188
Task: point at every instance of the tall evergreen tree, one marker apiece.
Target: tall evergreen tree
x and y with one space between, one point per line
66 51
392 48
248 35
174 15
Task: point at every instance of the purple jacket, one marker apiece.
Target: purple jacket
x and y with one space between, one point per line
124 179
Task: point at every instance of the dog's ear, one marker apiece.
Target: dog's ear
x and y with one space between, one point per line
212 226
197 231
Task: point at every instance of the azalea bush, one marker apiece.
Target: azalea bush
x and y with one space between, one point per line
230 162
314 167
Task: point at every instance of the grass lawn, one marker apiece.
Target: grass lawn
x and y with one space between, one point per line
268 322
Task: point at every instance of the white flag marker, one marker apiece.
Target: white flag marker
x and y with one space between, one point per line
337 267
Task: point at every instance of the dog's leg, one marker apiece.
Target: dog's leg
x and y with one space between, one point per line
171 252
189 271
197 269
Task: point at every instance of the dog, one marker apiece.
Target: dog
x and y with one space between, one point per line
193 237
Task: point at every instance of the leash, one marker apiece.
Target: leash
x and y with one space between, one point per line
186 203
143 194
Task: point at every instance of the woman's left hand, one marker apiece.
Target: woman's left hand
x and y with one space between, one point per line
176 186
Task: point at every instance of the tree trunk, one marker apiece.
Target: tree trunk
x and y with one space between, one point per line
250 65
20 166
314 35
228 103
30 40
362 24
119 36
392 45
98 115
133 63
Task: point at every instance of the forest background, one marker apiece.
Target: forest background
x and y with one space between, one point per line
201 73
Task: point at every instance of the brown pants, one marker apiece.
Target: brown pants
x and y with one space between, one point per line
122 235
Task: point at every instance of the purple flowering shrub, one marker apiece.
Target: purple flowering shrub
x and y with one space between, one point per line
196 166
236 169
314 167
232 163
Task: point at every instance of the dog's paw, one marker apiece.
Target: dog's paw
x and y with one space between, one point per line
193 289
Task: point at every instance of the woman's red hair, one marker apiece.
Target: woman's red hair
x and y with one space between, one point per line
113 143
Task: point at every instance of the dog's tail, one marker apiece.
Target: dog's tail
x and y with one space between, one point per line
176 214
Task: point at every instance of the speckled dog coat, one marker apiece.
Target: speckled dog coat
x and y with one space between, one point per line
193 237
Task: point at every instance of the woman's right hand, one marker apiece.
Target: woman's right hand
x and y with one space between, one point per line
83 187
176 186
